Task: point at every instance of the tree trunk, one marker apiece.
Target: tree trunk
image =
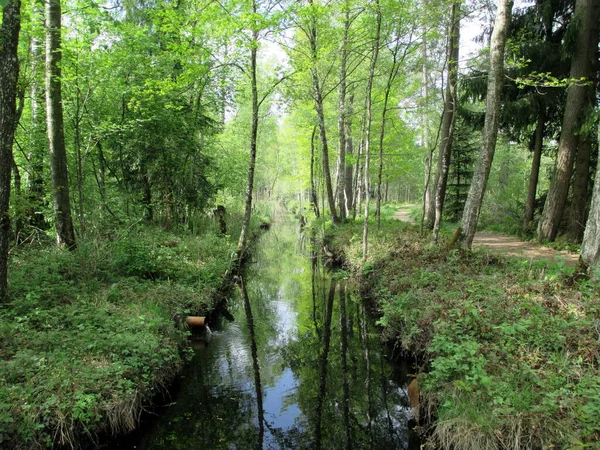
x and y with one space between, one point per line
253 139
37 136
590 246
449 115
349 182
538 146
581 178
318 98
341 186
579 199
581 68
466 232
147 196
313 190
368 109
65 234
9 74
386 99
428 205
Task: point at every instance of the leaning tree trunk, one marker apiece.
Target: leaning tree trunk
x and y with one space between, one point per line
253 140
368 116
449 115
318 99
65 234
465 233
538 146
590 246
9 74
586 11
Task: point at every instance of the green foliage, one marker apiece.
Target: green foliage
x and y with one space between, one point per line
89 336
509 349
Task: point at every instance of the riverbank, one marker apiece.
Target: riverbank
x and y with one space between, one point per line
508 349
89 337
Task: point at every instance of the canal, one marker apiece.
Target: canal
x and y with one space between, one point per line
300 366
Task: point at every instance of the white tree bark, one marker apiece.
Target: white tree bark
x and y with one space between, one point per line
466 232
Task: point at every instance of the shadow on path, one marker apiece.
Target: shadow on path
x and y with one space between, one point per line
509 245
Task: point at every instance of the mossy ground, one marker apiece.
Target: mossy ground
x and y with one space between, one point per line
509 349
89 337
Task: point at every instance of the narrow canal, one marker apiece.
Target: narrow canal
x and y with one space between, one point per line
300 366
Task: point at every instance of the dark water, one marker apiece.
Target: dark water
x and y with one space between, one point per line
299 367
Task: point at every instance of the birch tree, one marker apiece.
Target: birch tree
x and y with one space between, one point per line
465 233
65 233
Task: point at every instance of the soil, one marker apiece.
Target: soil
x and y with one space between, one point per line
510 245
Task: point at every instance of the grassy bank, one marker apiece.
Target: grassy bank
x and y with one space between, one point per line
510 349
89 337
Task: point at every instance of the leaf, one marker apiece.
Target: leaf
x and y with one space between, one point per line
3 3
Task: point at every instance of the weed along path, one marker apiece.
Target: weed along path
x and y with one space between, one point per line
300 366
508 245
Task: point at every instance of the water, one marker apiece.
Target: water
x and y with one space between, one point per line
299 367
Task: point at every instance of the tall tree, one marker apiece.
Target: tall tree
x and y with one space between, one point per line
465 233
65 234
395 66
368 116
318 101
253 135
590 246
448 118
341 185
9 75
586 23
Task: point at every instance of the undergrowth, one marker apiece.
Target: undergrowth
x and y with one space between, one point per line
510 348
90 336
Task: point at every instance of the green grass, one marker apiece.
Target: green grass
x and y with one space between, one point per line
509 349
89 337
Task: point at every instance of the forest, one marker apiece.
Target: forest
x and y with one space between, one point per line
146 143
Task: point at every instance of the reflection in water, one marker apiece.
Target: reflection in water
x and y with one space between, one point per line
257 385
299 367
324 364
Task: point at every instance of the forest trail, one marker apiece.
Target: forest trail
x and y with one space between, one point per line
510 245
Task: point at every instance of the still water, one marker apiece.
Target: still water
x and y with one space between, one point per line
300 366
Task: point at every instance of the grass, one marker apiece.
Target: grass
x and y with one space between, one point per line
509 350
90 337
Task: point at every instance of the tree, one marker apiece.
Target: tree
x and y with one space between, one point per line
368 116
253 137
465 233
9 75
585 22
65 233
590 246
319 101
448 118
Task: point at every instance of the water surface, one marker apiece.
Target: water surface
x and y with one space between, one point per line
299 367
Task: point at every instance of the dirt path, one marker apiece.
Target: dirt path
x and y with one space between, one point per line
509 245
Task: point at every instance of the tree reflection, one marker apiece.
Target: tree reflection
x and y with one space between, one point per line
294 370
254 351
